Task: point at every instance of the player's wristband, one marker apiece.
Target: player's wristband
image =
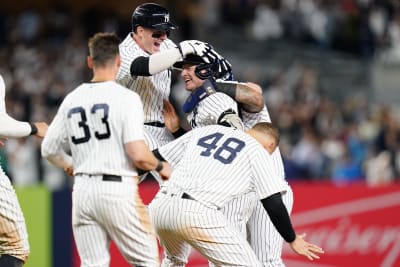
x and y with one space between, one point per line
228 88
34 129
159 167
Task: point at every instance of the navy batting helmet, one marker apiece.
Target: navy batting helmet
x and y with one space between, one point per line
203 70
150 15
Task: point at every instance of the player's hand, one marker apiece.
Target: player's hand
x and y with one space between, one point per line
171 120
42 128
224 66
69 171
193 47
166 171
3 141
302 247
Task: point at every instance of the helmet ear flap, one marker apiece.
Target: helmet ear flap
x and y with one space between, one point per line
204 71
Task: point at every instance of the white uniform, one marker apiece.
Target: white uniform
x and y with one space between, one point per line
262 234
95 121
13 234
210 109
212 165
245 211
151 89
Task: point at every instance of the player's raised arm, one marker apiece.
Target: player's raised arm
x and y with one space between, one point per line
248 94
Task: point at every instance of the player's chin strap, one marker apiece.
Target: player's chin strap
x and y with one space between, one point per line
229 118
199 94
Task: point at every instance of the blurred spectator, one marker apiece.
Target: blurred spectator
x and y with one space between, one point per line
324 133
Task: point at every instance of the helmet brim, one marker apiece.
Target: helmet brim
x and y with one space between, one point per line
189 59
165 26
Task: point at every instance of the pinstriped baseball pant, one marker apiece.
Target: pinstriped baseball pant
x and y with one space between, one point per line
13 233
181 223
262 235
108 210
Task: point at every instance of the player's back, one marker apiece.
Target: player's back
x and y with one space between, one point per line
219 163
96 118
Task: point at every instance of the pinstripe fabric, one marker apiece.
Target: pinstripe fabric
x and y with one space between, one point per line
13 234
205 178
209 109
104 211
95 121
125 120
151 89
213 184
263 237
181 222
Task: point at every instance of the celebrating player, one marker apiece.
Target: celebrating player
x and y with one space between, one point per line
146 59
101 122
246 212
14 245
212 165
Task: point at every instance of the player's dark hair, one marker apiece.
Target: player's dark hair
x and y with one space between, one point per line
103 48
269 129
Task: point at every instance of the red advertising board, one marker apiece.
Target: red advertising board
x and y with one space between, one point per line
355 224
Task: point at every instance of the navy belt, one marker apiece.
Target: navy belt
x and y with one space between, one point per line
112 178
155 124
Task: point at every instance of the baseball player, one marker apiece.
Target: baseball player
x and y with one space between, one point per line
101 122
14 245
212 165
244 209
146 59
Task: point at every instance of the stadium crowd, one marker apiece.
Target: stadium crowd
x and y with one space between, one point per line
41 56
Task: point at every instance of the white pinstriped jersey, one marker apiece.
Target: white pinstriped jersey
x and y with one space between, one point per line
210 109
262 234
13 233
95 121
214 164
251 119
151 89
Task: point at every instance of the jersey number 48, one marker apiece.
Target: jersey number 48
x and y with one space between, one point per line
225 152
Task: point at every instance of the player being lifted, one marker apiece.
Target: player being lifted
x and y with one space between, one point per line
14 245
101 122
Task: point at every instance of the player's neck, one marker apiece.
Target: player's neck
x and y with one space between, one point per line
103 76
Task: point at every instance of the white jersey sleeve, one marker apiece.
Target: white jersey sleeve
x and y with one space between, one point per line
56 136
151 89
268 180
210 109
174 150
251 119
10 127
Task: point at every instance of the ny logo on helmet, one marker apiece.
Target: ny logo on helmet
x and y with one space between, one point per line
166 17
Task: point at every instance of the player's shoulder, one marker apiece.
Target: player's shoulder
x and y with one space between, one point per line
129 47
